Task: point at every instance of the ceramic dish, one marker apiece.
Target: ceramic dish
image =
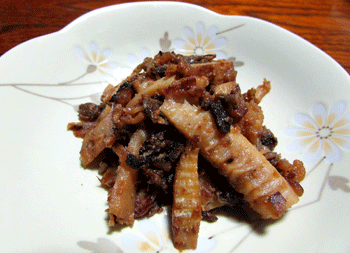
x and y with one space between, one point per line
50 204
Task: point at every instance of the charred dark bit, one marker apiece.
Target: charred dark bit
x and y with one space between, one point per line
161 152
277 203
124 94
155 177
222 119
89 112
134 162
205 101
185 89
268 139
151 108
230 160
208 216
159 71
155 71
273 158
157 152
235 104
146 204
195 59
170 178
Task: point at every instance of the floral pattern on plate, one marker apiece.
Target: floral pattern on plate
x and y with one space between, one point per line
154 240
197 42
97 60
103 245
156 237
201 41
322 134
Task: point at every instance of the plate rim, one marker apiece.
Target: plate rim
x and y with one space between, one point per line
197 7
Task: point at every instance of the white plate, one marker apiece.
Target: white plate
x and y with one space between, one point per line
48 203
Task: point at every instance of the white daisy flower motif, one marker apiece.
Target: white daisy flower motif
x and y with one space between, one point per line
201 42
157 238
323 134
98 60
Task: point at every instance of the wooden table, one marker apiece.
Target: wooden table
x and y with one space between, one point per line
325 23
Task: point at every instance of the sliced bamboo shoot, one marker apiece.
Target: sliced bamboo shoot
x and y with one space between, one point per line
186 209
267 192
122 195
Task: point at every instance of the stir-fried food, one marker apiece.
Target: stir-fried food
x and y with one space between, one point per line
186 208
150 134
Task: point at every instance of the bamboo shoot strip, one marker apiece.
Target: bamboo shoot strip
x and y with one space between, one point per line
247 170
186 209
122 195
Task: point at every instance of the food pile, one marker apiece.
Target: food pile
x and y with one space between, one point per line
178 131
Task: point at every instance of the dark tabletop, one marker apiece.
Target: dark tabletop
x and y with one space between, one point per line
324 23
